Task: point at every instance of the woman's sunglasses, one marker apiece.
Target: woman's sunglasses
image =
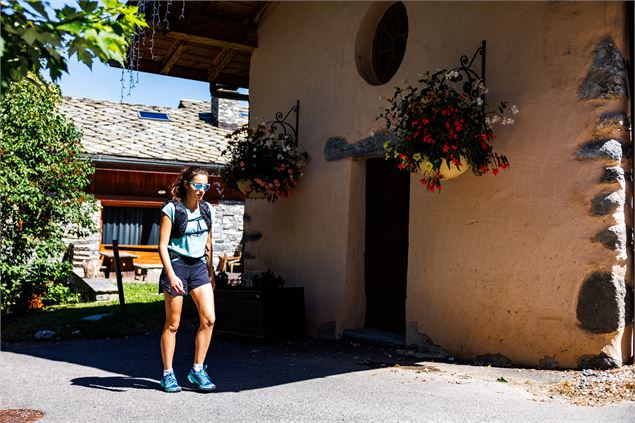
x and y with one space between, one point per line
197 186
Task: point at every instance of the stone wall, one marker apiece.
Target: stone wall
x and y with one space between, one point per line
85 247
228 229
232 113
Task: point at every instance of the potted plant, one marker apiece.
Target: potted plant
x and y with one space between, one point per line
262 163
441 128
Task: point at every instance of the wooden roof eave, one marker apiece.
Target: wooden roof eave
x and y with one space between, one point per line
226 41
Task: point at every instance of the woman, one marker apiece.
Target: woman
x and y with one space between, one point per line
185 247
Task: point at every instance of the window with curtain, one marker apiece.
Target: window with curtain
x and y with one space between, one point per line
130 225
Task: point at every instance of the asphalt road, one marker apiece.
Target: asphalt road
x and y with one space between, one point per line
310 380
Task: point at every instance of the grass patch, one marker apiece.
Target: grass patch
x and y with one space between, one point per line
145 313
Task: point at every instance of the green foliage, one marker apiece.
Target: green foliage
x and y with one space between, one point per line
42 184
32 40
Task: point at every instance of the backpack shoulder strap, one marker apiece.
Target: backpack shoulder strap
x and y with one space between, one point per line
206 213
180 219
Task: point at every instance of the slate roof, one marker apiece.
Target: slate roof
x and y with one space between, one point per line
115 130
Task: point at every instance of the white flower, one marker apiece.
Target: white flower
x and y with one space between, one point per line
482 88
491 120
507 121
479 101
514 109
254 156
452 74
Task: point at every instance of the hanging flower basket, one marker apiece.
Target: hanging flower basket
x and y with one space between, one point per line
245 186
262 163
441 128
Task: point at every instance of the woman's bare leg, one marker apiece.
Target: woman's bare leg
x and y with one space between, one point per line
173 307
203 297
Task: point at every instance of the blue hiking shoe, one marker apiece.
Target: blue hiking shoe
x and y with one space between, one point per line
201 380
169 383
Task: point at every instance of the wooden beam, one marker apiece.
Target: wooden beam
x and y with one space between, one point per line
147 65
172 56
255 19
196 39
222 59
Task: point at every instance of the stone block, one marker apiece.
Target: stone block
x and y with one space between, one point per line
607 76
598 362
613 120
603 149
606 203
338 147
613 238
613 175
601 303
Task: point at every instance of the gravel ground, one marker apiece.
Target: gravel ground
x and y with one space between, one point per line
596 388
580 387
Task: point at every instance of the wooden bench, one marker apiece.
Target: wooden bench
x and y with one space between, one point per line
141 270
126 263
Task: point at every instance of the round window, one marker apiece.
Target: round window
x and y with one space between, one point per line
381 42
390 42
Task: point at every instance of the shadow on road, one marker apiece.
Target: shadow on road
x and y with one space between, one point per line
233 364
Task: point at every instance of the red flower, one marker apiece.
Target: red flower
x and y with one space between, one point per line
495 171
446 148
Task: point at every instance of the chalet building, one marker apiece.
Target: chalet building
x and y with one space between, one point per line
533 266
137 152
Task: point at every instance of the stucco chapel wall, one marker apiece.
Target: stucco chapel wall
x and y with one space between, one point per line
496 264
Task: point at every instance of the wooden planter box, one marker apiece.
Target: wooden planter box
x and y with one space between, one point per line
268 313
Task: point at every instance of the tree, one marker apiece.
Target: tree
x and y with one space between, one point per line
32 41
42 193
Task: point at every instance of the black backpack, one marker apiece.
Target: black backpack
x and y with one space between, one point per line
180 217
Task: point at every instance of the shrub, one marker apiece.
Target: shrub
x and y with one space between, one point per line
42 184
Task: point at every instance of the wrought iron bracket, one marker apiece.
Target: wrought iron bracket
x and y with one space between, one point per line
283 128
465 75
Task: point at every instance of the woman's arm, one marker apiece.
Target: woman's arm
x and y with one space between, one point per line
209 257
164 238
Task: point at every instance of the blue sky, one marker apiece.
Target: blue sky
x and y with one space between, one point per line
104 83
